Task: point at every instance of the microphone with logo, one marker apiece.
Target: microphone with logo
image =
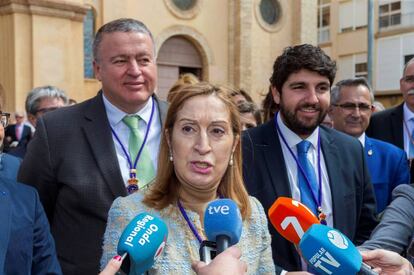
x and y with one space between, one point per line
142 242
222 225
291 218
329 251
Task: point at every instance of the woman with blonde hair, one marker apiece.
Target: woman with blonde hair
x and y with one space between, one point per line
199 161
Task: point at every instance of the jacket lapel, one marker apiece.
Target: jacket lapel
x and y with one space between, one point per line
97 131
368 148
5 214
330 154
397 129
162 108
275 162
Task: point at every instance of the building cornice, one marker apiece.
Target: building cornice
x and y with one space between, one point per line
53 8
395 31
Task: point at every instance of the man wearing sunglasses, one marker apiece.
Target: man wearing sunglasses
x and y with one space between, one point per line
351 109
396 125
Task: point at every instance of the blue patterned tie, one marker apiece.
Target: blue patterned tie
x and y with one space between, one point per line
305 192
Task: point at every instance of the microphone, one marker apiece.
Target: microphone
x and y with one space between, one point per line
143 240
291 218
329 251
223 223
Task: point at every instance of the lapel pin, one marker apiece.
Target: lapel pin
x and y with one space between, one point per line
370 152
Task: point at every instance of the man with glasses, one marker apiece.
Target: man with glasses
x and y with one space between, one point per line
43 99
39 101
351 109
396 125
9 165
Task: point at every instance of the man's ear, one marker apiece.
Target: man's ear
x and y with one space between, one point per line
275 94
97 70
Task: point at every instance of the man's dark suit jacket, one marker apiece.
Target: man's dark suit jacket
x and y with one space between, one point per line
353 202
26 245
388 126
73 164
11 133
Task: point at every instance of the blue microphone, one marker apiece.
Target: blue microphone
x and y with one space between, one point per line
143 240
223 223
329 251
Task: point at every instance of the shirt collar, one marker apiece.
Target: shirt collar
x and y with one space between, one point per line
115 115
408 115
362 139
292 138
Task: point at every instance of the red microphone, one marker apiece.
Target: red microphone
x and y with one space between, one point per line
291 218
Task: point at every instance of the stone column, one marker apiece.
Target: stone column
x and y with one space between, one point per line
41 43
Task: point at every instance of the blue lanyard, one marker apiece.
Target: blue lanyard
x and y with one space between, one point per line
317 199
190 224
132 174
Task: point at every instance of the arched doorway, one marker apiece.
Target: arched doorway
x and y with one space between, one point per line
176 56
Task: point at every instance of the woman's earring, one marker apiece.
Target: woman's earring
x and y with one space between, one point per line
171 157
231 160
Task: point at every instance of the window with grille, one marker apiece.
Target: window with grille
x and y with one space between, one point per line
390 14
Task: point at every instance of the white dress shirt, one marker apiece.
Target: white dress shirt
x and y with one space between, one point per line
292 140
362 139
407 123
115 116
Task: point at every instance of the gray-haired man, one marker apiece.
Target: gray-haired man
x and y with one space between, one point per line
41 100
72 155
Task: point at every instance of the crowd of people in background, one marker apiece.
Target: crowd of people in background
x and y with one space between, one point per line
73 175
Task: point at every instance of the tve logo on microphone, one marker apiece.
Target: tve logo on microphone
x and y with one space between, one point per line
222 218
220 209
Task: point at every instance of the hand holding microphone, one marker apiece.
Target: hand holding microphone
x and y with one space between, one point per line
387 262
143 241
113 266
225 263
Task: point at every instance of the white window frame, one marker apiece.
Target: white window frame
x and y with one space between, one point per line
324 31
354 24
389 14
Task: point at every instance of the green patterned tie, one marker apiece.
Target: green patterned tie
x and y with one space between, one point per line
145 168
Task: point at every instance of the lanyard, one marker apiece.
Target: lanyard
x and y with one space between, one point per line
132 167
317 199
190 224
